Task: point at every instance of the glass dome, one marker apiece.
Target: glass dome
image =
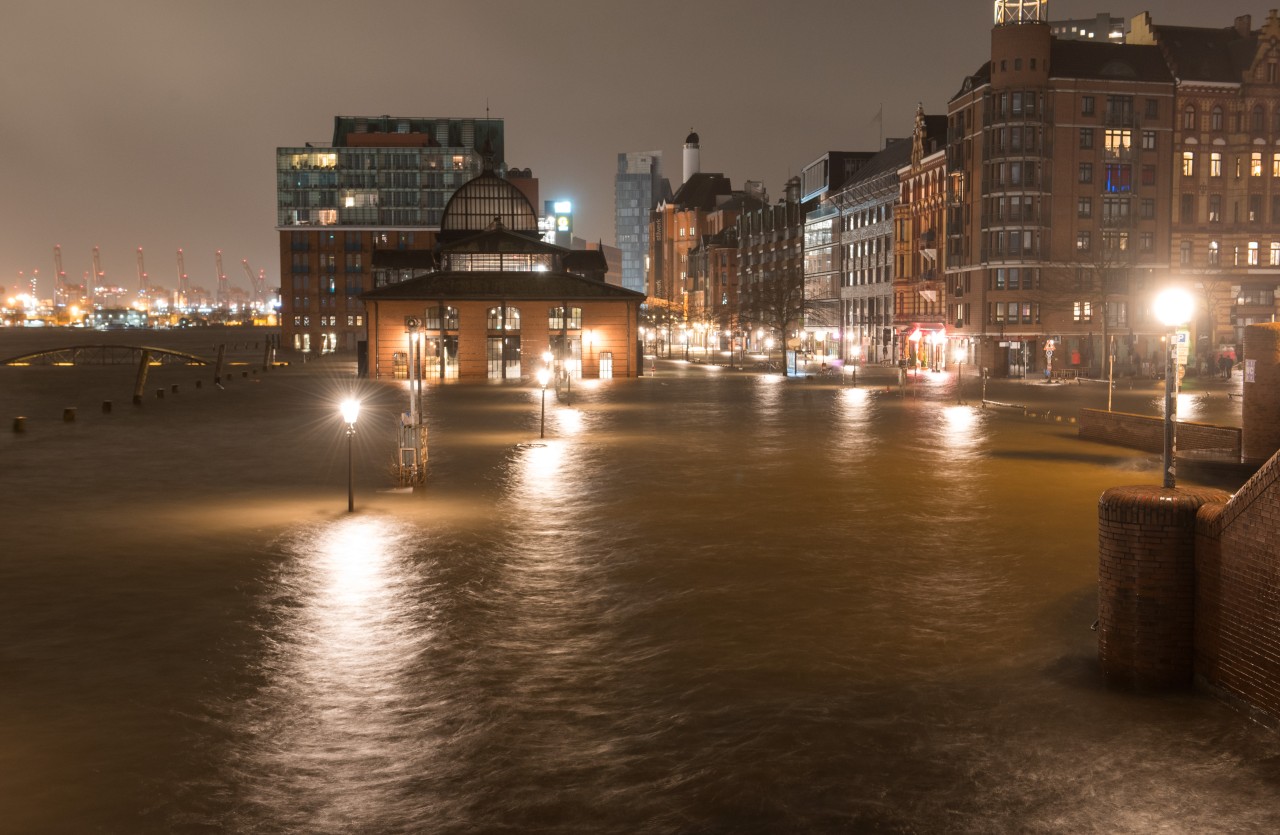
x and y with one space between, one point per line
488 197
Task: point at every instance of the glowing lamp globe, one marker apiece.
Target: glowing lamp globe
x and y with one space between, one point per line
350 411
1174 307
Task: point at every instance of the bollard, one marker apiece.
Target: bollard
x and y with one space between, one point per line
69 414
159 394
173 389
106 407
199 383
19 424
244 373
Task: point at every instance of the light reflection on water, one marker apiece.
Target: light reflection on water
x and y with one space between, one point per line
702 603
725 603
347 632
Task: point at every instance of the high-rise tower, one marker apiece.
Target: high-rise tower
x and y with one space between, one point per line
638 187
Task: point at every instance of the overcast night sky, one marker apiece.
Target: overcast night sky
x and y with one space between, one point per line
154 123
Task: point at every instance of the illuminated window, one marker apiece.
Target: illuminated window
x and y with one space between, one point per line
1188 163
497 323
1118 142
1118 177
1255 164
1215 253
1275 164
1275 254
1215 164
1253 253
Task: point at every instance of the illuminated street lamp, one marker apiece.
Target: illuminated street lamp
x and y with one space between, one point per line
350 411
1173 307
914 339
544 375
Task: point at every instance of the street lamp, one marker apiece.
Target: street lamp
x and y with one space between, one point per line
1173 307
544 374
350 411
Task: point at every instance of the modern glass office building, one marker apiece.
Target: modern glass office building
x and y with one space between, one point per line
380 183
638 188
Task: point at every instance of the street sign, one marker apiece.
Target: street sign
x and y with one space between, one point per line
1182 340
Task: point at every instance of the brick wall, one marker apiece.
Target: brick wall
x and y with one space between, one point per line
1237 617
1146 584
1147 433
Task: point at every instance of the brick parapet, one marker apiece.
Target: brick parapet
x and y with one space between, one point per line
1146 584
1237 582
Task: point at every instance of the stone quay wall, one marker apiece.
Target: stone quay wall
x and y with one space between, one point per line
1147 433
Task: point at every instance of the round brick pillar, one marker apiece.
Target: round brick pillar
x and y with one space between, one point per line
1260 412
1146 584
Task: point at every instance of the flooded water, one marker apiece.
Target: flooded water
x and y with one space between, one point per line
705 602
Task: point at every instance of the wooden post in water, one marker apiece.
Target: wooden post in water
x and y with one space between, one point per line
144 365
217 370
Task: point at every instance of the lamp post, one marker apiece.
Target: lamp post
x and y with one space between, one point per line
544 374
1173 307
350 411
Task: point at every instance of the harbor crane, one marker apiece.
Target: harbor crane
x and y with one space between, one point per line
59 277
184 289
223 291
142 277
255 281
99 277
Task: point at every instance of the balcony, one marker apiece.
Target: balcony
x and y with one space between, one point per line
1119 118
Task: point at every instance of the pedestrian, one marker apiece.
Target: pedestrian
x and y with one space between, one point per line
1224 367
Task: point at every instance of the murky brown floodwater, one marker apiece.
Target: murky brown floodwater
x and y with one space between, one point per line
711 602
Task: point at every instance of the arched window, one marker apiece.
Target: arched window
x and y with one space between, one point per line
496 322
1258 120
1188 118
1215 118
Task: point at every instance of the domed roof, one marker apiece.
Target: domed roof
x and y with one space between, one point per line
486 198
692 138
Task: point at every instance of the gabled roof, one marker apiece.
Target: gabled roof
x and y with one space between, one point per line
972 82
701 190
1198 54
1089 59
501 286
585 261
499 239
